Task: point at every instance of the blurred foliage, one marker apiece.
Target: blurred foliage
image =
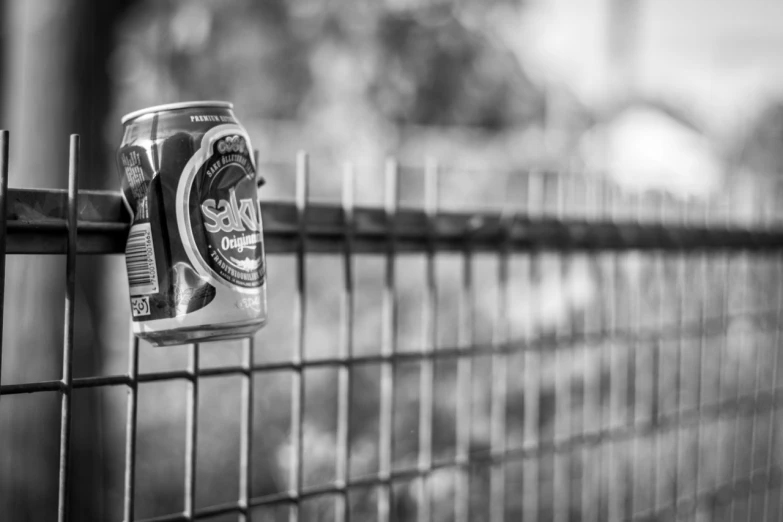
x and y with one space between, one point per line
433 70
416 66
762 149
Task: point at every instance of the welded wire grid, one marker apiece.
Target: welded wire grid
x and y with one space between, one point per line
656 400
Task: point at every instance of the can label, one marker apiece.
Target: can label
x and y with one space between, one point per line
219 218
226 196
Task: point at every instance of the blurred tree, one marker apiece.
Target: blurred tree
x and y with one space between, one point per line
434 70
246 52
762 149
64 44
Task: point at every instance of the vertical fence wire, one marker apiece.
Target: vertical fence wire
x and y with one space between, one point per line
679 375
736 370
429 342
637 364
746 345
702 363
464 407
300 321
655 394
4 143
245 484
690 379
750 308
674 261
592 387
246 430
600 390
738 446
725 461
191 430
132 407
388 345
722 434
659 280
615 487
562 359
70 303
500 339
758 368
533 474
342 455
710 373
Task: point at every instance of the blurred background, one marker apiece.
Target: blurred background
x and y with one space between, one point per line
679 100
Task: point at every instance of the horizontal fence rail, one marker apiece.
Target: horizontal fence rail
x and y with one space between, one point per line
37 225
616 380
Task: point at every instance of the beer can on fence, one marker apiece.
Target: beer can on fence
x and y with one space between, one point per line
195 251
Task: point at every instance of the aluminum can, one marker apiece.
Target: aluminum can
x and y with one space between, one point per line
195 251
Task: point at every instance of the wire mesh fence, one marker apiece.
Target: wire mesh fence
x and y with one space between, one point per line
578 353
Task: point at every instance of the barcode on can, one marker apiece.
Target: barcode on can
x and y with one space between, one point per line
140 261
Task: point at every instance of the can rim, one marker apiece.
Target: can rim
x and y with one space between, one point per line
175 106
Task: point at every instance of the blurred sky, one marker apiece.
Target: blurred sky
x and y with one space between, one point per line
721 58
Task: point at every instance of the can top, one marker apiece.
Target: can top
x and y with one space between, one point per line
175 106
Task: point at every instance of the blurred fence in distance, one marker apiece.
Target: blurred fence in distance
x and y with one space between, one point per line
569 353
